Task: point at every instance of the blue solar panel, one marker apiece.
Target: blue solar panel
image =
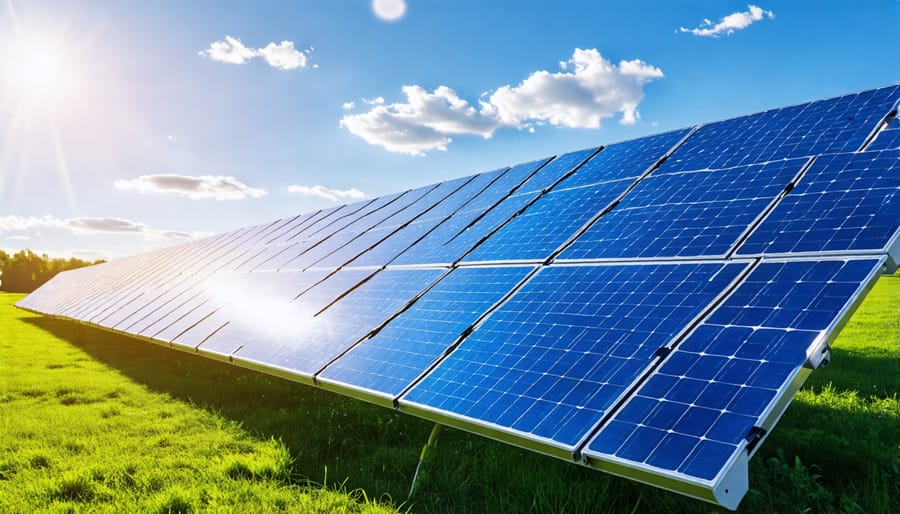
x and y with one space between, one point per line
400 240
888 138
693 414
844 202
305 344
839 124
553 358
471 225
692 214
388 362
628 159
545 225
558 215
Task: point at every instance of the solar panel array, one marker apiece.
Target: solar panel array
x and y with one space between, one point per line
647 308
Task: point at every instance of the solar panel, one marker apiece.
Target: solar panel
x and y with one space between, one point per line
844 203
705 407
392 359
472 227
550 362
691 214
834 125
647 309
557 215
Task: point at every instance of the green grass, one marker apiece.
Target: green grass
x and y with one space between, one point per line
94 421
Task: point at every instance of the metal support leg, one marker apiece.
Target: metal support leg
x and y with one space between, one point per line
432 440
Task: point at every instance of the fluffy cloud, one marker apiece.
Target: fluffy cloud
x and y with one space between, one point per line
389 10
730 23
230 51
589 89
594 89
282 55
348 106
88 225
328 193
196 188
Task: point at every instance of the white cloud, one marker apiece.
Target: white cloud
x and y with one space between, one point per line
196 188
730 23
389 10
590 89
374 101
88 225
282 55
328 193
348 106
423 123
595 89
230 51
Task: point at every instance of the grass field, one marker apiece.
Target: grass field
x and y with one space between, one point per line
91 421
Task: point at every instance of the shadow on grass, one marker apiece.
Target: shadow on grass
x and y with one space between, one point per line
319 428
857 455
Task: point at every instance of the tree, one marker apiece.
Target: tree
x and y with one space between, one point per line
25 271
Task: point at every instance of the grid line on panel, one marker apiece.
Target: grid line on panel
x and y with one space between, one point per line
844 202
686 214
696 409
557 354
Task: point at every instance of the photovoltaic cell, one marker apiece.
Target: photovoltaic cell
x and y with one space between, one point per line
834 125
389 361
692 214
307 343
844 202
554 357
694 412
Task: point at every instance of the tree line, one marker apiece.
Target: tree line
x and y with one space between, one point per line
25 271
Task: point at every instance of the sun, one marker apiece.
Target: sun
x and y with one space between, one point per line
37 71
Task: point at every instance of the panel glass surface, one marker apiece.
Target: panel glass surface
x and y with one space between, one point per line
555 356
628 159
692 214
388 362
835 125
696 410
844 202
548 223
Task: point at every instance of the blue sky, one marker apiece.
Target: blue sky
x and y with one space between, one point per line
129 125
